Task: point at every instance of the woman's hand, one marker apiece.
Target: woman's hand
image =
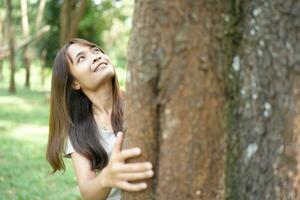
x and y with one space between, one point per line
118 173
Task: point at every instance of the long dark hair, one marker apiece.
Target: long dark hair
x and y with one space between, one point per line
71 115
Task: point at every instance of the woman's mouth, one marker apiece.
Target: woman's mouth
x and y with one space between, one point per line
101 65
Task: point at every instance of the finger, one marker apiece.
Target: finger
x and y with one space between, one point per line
135 167
128 153
132 187
135 176
118 143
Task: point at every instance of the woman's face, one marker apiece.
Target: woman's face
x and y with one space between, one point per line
90 67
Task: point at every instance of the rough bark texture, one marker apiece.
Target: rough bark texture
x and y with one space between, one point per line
141 107
264 138
213 98
175 97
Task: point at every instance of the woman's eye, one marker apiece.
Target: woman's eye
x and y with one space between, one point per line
96 50
80 59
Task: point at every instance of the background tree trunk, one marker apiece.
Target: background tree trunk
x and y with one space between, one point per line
25 28
213 99
2 36
10 29
70 16
43 67
40 14
38 24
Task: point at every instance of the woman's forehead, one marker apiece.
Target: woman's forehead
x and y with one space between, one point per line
76 48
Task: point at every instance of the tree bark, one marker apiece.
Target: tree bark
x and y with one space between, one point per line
10 29
175 97
213 99
263 154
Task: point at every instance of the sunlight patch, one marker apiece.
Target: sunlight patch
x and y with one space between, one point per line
30 133
15 101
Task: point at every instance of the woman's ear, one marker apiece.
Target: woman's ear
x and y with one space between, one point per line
75 85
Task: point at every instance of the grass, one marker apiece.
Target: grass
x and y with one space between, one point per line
24 172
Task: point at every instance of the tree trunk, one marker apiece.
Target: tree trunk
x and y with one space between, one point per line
212 98
40 14
263 154
38 24
64 20
25 28
70 15
175 97
2 36
75 18
10 29
43 67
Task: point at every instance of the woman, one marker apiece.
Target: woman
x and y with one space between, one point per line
86 120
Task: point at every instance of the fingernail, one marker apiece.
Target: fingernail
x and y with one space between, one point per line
150 173
137 150
149 165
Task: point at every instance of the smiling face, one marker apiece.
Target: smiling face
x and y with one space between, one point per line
89 66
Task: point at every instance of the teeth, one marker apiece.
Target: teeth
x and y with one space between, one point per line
100 66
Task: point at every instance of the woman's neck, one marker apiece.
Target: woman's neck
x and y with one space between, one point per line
102 101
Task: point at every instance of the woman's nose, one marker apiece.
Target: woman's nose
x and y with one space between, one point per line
98 57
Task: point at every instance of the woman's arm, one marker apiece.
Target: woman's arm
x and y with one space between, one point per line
90 185
116 174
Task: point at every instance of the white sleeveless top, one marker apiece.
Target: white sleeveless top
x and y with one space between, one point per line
107 140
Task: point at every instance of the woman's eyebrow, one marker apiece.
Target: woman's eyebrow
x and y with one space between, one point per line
80 53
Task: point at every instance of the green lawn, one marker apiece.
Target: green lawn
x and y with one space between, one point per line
24 172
